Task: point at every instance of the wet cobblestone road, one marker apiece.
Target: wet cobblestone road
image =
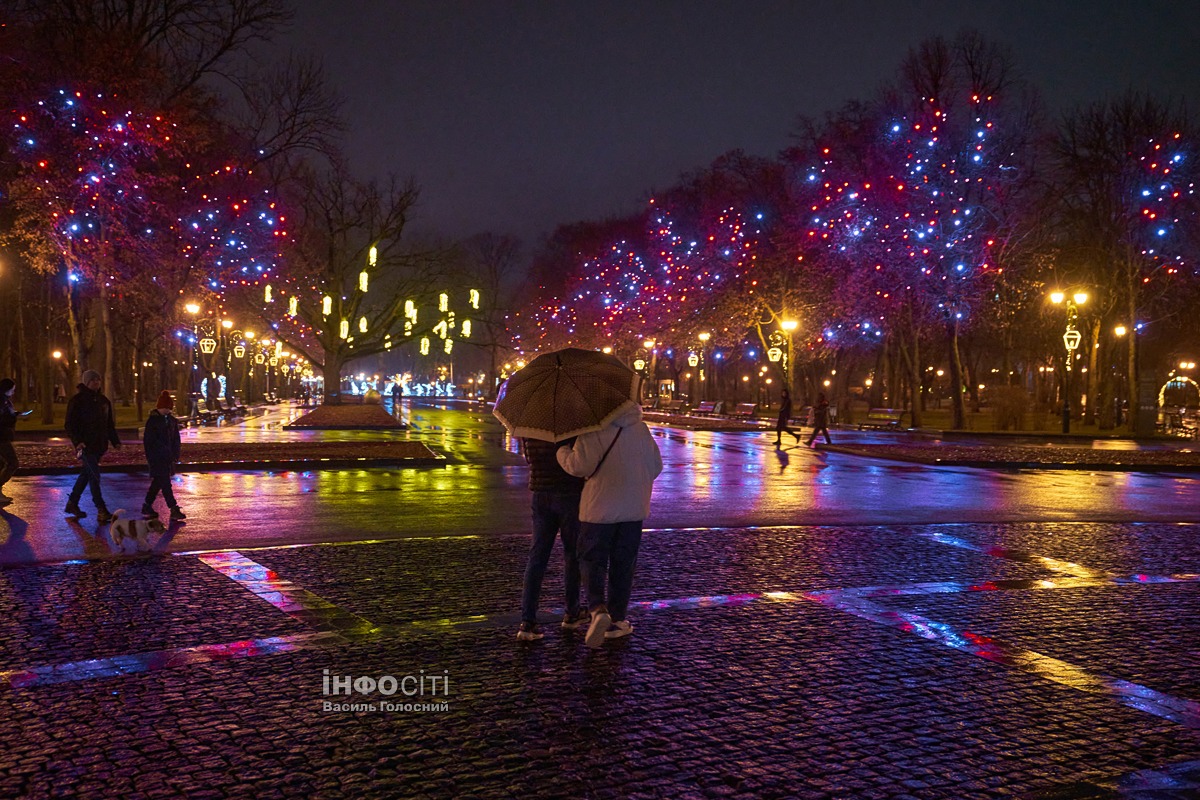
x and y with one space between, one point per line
1030 660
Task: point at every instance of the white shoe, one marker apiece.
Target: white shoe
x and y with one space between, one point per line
618 630
599 627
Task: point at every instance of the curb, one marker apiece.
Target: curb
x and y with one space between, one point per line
292 465
1047 465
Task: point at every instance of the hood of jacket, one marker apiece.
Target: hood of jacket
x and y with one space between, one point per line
628 417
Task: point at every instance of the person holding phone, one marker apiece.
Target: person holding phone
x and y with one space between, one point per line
8 425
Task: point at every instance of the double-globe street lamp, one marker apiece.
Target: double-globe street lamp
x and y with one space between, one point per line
1071 339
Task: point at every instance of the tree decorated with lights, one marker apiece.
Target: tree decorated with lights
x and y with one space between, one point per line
1126 172
353 286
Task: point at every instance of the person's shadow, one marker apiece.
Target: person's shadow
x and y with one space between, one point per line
15 548
784 458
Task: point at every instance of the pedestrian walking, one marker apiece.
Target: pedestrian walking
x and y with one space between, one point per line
92 428
820 420
555 506
162 445
785 416
620 463
8 425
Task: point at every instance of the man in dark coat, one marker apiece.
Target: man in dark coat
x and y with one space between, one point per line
92 428
161 441
785 416
8 424
820 420
555 506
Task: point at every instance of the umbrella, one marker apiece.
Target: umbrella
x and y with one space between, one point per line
565 393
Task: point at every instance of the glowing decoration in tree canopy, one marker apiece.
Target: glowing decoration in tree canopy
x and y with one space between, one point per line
267 294
443 302
208 346
371 256
326 305
449 346
410 310
474 295
293 305
466 329
362 325
239 351
344 329
362 279
424 345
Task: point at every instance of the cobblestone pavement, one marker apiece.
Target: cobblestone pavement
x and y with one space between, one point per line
1032 660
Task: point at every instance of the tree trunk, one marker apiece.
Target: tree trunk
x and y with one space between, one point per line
77 338
332 371
1090 383
106 330
956 377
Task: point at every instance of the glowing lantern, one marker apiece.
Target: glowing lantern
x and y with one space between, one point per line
693 359
362 280
425 346
293 306
474 298
208 346
443 302
327 305
371 256
260 359
239 351
362 325
410 310
466 329
267 294
639 364
449 346
344 328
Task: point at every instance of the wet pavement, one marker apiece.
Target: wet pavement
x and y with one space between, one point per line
807 624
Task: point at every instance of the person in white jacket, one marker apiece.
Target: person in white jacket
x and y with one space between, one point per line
620 463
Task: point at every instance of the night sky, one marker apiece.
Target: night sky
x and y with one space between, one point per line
514 117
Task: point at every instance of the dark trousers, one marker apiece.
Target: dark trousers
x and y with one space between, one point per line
90 477
8 462
552 514
159 483
818 430
608 552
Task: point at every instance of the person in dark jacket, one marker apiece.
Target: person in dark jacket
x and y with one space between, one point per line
92 428
785 416
8 424
820 420
555 507
161 441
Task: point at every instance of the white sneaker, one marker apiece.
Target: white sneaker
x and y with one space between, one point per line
599 627
618 630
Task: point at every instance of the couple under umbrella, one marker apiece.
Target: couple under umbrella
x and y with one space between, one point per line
592 466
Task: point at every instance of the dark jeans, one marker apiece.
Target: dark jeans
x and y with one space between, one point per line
90 476
8 462
161 484
609 550
552 514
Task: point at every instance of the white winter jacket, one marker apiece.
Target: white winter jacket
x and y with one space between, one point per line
620 490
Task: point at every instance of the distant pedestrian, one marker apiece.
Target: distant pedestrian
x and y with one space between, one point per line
620 463
785 416
92 428
555 506
8 424
162 444
820 420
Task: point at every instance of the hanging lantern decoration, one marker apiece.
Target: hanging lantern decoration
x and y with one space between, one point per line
279 349
293 306
774 354
260 359
441 330
449 346
474 298
326 305
362 325
371 256
425 345
639 364
443 302
466 329
407 328
208 346
410 310
344 329
362 281
274 362
239 351
693 359
267 294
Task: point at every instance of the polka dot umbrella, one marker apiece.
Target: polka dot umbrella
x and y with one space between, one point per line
566 393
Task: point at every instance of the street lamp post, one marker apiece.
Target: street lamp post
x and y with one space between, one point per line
789 327
1071 339
704 336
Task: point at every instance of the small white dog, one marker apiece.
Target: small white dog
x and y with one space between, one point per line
132 535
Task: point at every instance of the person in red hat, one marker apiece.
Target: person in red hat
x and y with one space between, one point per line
162 444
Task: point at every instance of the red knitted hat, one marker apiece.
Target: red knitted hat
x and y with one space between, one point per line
165 400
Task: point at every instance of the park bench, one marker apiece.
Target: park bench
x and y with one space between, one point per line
744 411
882 418
673 406
707 408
